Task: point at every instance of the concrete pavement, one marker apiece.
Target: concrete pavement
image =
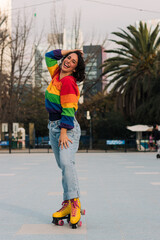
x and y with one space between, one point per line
120 192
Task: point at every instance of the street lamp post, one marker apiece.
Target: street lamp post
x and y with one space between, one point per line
90 129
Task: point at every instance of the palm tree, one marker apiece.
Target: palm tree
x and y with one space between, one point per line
134 68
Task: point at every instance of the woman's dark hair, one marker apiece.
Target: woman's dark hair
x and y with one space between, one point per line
79 73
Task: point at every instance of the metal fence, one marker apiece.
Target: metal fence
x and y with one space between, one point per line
119 145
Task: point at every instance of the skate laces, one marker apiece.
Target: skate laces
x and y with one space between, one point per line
74 206
64 204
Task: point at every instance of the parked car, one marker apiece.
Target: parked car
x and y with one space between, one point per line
43 144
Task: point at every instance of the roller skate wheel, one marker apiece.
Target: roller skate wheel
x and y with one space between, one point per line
74 226
60 222
83 211
55 221
80 224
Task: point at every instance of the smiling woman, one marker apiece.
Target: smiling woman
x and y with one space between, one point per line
69 64
61 100
75 61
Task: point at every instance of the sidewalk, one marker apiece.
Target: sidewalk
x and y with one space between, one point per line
120 192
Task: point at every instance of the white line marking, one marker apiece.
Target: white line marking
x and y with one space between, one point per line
134 167
31 163
79 170
155 183
83 193
147 173
50 229
7 174
125 162
83 178
55 194
19 168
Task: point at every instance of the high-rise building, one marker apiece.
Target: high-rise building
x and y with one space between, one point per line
94 56
5 8
5 11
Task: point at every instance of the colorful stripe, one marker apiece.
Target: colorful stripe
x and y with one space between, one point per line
70 105
53 69
67 122
52 97
70 98
50 62
53 90
68 112
53 107
61 96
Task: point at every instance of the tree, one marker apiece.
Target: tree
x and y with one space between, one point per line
4 36
21 66
107 123
32 109
134 68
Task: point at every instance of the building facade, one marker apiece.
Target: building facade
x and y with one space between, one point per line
94 57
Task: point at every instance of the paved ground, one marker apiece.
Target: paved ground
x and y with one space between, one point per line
120 192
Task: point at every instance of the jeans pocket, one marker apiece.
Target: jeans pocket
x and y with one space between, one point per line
55 128
75 132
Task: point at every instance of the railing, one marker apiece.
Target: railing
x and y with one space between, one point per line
119 145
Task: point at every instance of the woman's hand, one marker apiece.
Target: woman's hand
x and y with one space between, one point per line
63 139
79 50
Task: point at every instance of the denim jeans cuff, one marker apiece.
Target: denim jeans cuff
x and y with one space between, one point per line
71 195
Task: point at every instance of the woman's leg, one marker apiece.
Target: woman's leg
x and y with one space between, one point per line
67 161
69 174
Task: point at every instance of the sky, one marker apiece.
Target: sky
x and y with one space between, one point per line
98 17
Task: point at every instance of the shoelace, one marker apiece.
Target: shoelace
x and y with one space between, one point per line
64 204
74 206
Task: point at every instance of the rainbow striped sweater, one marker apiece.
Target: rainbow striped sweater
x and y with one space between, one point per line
61 96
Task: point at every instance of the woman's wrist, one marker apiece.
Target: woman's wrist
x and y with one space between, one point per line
63 131
65 52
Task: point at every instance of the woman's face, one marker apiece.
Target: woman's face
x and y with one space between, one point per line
70 63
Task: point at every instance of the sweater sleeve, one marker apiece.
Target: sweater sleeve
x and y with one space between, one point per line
69 101
51 60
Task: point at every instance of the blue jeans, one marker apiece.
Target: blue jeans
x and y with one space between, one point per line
66 158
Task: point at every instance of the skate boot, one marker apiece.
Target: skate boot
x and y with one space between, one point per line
63 213
75 213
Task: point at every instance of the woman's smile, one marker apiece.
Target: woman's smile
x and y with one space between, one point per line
70 63
66 65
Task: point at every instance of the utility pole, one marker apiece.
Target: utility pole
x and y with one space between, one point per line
90 129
